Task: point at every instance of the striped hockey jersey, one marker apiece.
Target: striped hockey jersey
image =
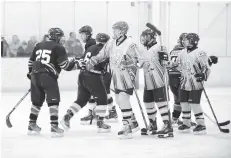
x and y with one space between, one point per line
153 70
120 67
189 64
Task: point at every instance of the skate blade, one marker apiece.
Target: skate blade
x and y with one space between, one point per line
184 131
165 135
134 130
88 122
56 135
33 133
66 128
200 133
101 130
128 136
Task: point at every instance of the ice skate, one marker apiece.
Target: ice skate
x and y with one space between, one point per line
65 122
33 129
112 114
126 131
199 130
102 127
56 131
89 119
176 122
166 131
152 128
184 128
193 124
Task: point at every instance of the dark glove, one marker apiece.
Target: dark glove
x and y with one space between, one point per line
200 77
212 60
28 75
163 55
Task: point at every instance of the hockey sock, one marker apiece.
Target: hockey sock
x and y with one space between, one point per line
74 108
198 112
186 111
54 111
110 103
151 110
176 111
100 111
91 104
34 112
163 108
133 117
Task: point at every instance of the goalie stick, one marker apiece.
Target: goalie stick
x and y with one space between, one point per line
8 123
218 124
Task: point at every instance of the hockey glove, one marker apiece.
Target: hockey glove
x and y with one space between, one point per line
132 75
163 55
200 77
212 60
28 75
90 64
81 64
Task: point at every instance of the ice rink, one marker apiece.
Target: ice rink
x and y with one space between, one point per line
83 141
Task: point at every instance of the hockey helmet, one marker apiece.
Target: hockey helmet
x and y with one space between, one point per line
55 34
193 38
102 37
148 37
86 29
121 25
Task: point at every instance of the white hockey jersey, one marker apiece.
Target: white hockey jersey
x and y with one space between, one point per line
119 66
189 64
153 70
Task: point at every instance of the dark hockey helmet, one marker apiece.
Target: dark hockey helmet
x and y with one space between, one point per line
121 25
102 37
193 38
148 37
86 29
55 34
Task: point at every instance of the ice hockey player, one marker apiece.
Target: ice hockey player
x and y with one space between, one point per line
90 83
194 67
122 53
174 80
45 64
154 85
90 118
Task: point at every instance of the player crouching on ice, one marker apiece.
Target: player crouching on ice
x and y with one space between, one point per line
90 83
154 91
122 54
45 64
193 64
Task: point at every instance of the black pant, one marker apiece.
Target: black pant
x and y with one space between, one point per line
43 86
174 83
90 84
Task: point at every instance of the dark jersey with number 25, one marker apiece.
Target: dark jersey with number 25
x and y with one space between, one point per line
93 51
49 57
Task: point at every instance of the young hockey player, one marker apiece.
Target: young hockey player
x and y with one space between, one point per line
86 35
174 80
193 64
90 83
122 53
154 90
45 64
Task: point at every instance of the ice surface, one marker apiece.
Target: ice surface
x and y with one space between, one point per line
83 141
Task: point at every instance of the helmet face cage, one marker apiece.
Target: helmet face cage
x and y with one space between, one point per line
193 38
121 25
55 34
102 37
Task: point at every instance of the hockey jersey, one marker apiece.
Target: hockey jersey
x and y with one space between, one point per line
189 64
123 59
153 70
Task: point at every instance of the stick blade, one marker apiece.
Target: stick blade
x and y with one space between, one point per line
224 130
8 123
224 123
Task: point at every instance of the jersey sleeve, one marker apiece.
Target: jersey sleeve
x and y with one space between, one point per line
32 58
203 63
62 59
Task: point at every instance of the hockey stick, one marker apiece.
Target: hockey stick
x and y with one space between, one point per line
222 130
138 100
220 124
8 123
152 27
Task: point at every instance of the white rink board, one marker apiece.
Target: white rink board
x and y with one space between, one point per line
83 141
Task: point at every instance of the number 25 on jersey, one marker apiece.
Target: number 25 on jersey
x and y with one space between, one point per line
43 56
